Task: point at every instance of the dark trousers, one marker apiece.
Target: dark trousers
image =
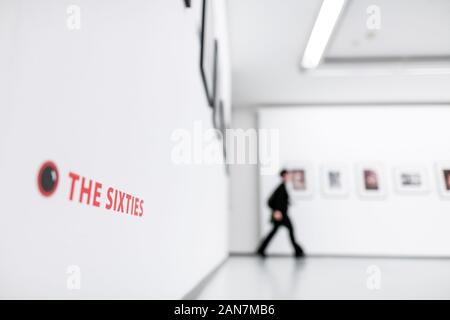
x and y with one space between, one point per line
276 224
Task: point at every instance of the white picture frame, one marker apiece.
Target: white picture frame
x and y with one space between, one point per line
301 185
411 180
442 178
371 181
334 180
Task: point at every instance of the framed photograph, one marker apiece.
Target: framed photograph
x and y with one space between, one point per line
301 181
371 181
218 103
208 51
221 128
443 178
298 179
335 180
218 114
411 179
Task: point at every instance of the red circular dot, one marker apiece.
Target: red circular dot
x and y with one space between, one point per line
48 178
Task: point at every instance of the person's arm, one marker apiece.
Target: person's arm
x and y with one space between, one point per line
275 201
274 204
277 215
271 201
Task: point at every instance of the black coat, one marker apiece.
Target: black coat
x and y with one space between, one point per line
279 200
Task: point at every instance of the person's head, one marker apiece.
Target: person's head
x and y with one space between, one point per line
285 175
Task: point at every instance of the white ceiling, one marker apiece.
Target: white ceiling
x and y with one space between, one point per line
408 28
267 39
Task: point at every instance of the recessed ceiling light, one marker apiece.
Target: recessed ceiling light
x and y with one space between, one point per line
321 33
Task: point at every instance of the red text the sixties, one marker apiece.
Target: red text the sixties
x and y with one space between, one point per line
89 192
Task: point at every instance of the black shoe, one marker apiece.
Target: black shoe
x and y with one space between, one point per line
261 253
299 252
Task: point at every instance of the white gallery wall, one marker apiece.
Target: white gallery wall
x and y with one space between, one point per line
103 101
365 91
387 136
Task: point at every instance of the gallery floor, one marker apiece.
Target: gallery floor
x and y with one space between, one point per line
250 277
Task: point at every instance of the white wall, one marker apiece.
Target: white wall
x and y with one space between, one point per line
103 102
246 214
244 193
393 136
